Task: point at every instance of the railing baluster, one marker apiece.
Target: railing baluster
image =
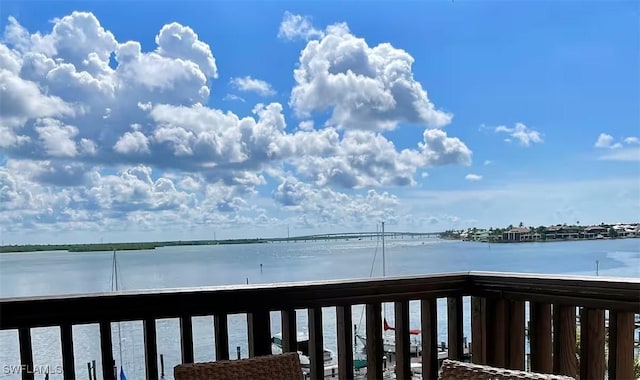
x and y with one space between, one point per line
26 355
592 337
454 326
344 324
259 331
403 344
540 337
186 339
375 345
564 340
478 330
515 340
316 343
429 326
150 348
496 332
66 343
106 349
221 336
288 319
621 345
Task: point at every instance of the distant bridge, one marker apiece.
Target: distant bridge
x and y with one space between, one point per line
362 236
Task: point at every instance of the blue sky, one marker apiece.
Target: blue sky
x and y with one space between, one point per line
161 120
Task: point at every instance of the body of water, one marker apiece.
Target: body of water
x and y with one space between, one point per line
54 273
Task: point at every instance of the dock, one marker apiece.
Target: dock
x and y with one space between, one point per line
331 371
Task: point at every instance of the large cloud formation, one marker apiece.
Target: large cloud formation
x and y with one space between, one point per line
93 129
370 88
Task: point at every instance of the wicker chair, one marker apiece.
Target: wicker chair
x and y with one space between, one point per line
455 370
270 367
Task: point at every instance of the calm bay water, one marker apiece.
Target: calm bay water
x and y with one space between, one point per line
49 273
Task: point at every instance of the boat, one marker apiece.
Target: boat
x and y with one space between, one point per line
389 342
388 335
330 362
114 288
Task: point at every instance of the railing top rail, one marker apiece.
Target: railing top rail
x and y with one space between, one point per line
347 283
613 293
171 303
590 291
604 280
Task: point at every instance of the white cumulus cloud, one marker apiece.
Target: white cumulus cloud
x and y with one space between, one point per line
632 140
96 131
249 84
525 136
473 177
606 141
294 27
231 97
627 150
369 88
322 206
132 142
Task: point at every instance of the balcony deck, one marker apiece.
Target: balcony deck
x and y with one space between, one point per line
497 320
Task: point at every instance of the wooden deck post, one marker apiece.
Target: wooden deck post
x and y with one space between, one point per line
592 337
186 339
221 336
66 343
106 348
478 330
564 340
289 330
316 343
496 332
344 324
150 348
621 325
454 326
26 355
515 340
403 343
429 325
259 331
540 337
375 345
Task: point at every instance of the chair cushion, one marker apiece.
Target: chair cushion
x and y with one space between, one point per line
455 370
285 367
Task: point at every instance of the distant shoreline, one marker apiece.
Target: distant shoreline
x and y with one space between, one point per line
107 247
542 240
139 246
136 246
